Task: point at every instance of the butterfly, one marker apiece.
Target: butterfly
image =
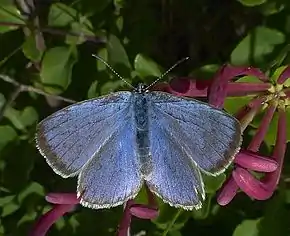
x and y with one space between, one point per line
116 143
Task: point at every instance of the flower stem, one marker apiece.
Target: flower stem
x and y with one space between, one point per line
172 222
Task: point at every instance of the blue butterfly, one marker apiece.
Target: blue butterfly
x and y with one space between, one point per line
118 142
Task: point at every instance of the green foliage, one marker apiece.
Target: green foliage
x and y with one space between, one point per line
258 44
51 50
57 68
9 13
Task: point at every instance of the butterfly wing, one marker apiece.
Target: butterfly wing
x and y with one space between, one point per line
95 139
174 177
187 136
113 175
209 136
73 135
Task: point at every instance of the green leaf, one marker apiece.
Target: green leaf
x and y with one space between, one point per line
277 73
31 188
2 100
252 3
28 116
170 219
29 217
205 72
213 183
234 104
83 28
22 119
145 66
57 67
271 134
61 15
30 50
93 6
10 14
7 134
103 53
9 209
275 216
258 44
92 90
271 8
247 228
117 56
6 200
203 212
111 86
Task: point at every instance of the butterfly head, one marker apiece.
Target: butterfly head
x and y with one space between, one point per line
141 88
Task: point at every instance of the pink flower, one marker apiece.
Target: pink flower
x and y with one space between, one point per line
268 96
66 202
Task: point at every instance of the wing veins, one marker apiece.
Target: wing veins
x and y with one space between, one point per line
177 141
104 143
174 118
180 106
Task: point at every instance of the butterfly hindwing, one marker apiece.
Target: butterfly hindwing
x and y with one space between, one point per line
113 175
175 178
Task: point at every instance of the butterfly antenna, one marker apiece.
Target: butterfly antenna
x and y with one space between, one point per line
166 72
115 72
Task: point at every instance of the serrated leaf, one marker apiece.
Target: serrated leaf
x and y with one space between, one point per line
57 68
258 44
145 66
10 14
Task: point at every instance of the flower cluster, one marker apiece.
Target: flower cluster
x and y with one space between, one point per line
268 97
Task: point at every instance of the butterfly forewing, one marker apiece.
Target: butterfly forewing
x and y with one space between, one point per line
209 136
71 136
